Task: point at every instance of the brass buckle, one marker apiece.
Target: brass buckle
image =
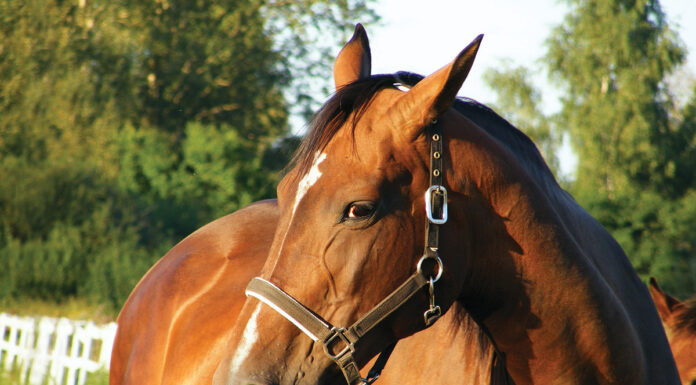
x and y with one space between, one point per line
338 333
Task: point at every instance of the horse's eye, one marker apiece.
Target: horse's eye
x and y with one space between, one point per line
360 210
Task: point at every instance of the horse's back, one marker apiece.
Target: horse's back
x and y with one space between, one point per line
174 324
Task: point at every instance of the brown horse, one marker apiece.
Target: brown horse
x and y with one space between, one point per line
679 320
174 325
543 279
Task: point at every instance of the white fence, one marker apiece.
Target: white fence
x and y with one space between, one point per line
60 351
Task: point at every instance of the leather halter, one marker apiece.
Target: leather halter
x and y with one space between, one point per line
321 331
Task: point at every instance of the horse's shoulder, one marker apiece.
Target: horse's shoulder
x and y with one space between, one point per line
236 237
212 264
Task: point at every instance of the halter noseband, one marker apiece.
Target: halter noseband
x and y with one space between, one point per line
319 330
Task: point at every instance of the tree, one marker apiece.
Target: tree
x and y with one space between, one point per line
126 125
634 153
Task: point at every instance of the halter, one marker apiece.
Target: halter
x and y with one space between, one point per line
332 337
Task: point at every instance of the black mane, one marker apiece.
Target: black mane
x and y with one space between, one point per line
356 97
686 320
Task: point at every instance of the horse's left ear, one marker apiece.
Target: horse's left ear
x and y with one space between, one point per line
354 62
666 304
434 94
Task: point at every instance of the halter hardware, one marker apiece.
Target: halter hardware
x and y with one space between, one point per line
440 193
338 334
439 271
434 312
323 332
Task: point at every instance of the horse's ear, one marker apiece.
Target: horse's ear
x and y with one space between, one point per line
435 93
666 304
354 62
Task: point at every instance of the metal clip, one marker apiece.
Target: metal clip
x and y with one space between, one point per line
431 315
441 191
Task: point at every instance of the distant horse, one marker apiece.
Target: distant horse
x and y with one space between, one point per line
401 206
174 326
679 320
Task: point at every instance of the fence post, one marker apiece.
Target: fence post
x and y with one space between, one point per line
3 326
108 332
26 346
60 350
11 352
41 361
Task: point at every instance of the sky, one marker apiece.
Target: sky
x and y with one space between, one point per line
422 38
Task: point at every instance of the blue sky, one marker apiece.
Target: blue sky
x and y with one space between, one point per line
422 38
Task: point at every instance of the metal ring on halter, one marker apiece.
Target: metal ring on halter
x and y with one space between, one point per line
440 267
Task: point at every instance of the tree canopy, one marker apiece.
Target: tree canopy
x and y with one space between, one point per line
126 125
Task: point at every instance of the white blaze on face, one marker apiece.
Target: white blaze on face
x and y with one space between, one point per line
248 340
250 335
308 180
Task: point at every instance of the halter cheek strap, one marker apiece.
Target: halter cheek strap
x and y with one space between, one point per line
340 343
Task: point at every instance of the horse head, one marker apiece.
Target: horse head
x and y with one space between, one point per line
347 266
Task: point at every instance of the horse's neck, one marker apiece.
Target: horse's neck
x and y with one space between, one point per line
452 351
548 303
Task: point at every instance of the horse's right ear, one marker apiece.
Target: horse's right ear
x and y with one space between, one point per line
433 95
666 304
354 62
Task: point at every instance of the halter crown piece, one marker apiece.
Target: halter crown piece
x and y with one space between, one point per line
332 337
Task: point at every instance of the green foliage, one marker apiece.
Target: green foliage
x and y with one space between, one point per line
192 53
635 151
612 58
126 125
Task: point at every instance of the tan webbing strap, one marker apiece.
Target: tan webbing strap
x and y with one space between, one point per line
312 325
323 332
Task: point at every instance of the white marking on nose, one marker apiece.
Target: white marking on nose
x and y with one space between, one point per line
309 179
248 340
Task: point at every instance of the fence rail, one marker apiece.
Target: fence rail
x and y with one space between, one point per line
58 349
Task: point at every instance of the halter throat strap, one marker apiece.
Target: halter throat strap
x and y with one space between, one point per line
340 343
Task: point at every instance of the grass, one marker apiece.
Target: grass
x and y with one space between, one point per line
13 377
10 378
